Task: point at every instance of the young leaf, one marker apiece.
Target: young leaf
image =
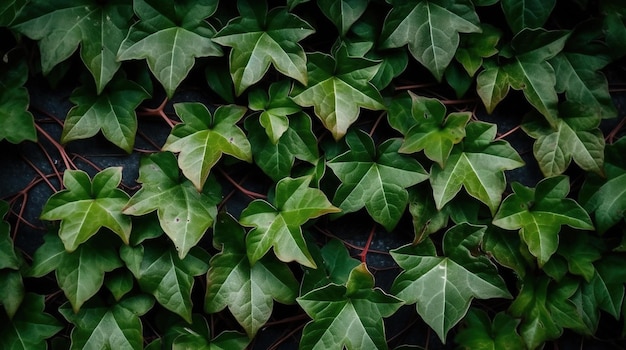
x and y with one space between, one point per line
202 138
442 287
431 29
99 326
30 327
248 290
16 122
184 213
198 336
85 206
278 225
335 265
343 13
375 179
527 14
473 47
259 38
275 107
338 87
60 27
349 316
539 213
170 36
477 164
112 111
480 333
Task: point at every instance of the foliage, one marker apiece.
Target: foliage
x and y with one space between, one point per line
490 131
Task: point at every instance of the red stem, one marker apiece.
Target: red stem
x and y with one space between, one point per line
363 254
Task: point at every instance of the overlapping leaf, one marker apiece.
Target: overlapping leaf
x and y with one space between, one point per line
338 87
197 335
480 333
258 38
375 179
30 327
334 266
343 13
85 206
12 289
16 122
275 107
474 47
184 213
347 316
203 137
527 14
278 225
248 290
170 36
442 287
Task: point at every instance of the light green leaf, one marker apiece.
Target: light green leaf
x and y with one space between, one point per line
480 333
259 38
473 47
197 336
375 179
248 290
170 36
278 225
338 87
16 122
85 206
203 137
527 14
184 213
349 316
442 287
343 13
275 107
30 327
431 29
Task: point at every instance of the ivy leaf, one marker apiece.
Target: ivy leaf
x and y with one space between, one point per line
30 327
170 36
575 135
278 225
16 122
197 335
431 131
80 273
581 250
334 266
98 326
248 290
8 258
508 250
113 112
338 87
426 218
119 283
473 47
259 38
442 287
480 333
85 206
431 29
349 316
184 213
607 285
202 138
12 291
160 272
539 213
375 179
477 164
275 107
9 11
98 28
527 14
343 13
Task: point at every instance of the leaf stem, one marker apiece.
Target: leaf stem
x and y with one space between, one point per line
500 137
363 254
66 159
159 112
251 194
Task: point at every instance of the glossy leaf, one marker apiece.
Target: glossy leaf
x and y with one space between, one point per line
476 164
334 266
343 13
197 335
539 213
375 179
473 47
508 250
98 28
349 315
338 87
203 137
119 283
248 290
430 28
16 122
184 213
581 250
160 272
442 287
275 107
258 38
480 333
85 206
278 225
112 111
527 14
9 11
170 37
30 327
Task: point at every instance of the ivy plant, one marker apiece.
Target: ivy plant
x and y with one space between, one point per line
312 174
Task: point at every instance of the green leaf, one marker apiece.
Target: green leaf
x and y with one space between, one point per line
12 291
259 38
478 164
581 250
349 316
184 213
426 218
473 47
184 336
343 13
8 257
9 11
112 111
539 213
335 265
431 29
527 14
85 206
375 179
278 225
275 107
607 285
480 333
203 137
99 326
338 87
60 27
508 250
119 283
248 290
442 287
170 36
16 122
30 327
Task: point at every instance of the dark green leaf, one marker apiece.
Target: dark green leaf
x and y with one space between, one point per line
30 327
343 13
16 122
527 14
197 336
480 333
